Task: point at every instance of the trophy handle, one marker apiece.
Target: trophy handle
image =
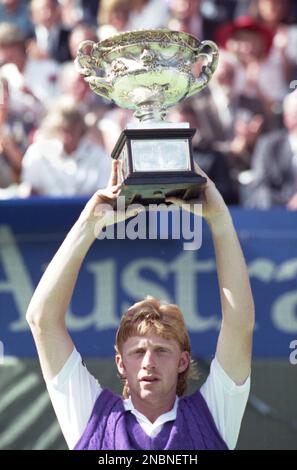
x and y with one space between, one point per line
86 65
207 70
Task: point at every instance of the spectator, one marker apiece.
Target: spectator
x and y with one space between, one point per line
277 16
10 152
74 12
82 32
228 121
113 17
16 12
51 38
63 161
74 86
187 15
251 42
275 164
206 156
148 14
32 83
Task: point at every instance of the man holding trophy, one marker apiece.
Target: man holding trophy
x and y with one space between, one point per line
148 71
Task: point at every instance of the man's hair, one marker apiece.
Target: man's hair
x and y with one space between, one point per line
63 113
10 35
166 320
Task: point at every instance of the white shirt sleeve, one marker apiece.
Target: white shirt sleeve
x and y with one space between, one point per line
31 170
73 393
226 402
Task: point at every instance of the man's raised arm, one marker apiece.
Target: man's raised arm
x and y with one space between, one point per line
234 347
47 309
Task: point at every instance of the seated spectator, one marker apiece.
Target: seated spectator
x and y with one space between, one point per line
81 32
207 157
32 83
16 13
275 164
112 124
74 12
10 152
50 37
251 42
113 17
63 161
74 86
188 16
148 14
278 17
229 121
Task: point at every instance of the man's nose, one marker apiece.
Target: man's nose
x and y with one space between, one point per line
148 360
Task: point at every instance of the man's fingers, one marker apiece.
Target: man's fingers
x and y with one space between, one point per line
132 212
113 179
108 193
116 188
174 200
200 171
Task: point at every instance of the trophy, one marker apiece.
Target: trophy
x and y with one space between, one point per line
149 71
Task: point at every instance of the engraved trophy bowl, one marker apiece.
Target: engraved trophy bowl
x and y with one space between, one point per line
149 71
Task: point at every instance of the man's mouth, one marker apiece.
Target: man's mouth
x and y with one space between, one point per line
149 379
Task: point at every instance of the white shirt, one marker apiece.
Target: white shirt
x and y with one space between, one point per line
49 171
39 76
74 391
46 37
154 14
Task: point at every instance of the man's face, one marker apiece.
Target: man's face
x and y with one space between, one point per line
247 45
273 10
151 365
70 137
184 9
45 12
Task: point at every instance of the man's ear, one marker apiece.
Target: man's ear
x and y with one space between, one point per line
120 365
184 361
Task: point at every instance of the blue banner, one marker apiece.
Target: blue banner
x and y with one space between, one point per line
116 273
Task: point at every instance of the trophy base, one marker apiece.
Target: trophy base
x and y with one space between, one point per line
145 189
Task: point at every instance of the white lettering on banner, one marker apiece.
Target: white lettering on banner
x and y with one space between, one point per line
287 270
137 287
284 312
103 315
17 282
186 267
262 269
104 287
284 309
293 355
267 270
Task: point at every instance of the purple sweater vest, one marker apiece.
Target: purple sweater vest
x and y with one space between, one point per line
110 427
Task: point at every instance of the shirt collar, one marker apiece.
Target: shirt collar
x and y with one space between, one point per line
164 418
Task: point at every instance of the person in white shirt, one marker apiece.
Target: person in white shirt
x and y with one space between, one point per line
27 78
153 361
63 160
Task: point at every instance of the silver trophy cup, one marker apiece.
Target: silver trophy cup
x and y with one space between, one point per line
149 71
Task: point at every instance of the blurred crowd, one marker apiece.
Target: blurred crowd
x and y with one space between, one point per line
56 135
